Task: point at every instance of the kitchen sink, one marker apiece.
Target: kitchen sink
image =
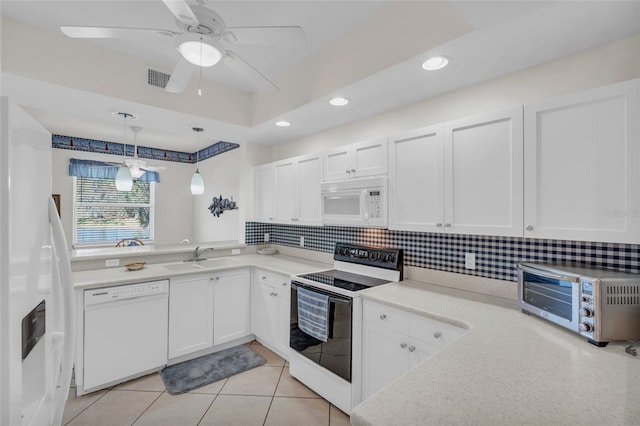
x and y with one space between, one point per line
201 265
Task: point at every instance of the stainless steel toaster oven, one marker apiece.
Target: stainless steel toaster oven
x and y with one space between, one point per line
599 304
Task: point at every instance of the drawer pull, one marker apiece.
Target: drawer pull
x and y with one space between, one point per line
412 348
284 283
383 317
403 345
437 334
264 277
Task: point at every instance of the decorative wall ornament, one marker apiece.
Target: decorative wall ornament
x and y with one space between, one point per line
219 205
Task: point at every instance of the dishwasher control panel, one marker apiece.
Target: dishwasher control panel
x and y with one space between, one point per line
123 292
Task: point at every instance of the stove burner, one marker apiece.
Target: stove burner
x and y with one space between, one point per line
344 280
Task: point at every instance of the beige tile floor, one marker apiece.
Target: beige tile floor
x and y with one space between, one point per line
265 395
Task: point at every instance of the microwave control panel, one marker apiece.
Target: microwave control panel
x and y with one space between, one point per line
374 204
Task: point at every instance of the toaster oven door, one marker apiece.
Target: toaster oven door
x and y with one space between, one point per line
550 295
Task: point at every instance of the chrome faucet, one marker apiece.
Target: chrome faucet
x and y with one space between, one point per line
197 253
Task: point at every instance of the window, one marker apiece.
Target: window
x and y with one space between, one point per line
104 215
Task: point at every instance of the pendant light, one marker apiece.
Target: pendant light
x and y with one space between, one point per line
124 180
197 183
136 169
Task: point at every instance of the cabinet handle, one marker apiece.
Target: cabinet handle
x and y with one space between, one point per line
217 278
530 228
353 170
412 348
270 218
348 171
438 225
264 277
284 283
275 294
403 345
437 334
447 225
383 317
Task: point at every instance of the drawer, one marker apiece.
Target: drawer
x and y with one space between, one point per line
271 278
434 332
387 316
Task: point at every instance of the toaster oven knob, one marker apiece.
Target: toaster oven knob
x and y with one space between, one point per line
585 326
586 312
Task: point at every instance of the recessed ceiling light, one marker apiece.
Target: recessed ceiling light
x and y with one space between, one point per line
283 123
338 101
435 63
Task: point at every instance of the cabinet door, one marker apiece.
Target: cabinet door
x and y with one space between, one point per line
284 315
286 191
416 180
419 351
385 357
484 174
369 158
309 178
337 164
231 306
266 324
581 165
264 185
190 315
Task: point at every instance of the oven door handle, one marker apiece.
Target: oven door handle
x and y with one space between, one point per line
336 299
549 274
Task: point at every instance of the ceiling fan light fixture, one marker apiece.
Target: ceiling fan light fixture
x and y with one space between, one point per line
435 63
136 172
198 50
124 181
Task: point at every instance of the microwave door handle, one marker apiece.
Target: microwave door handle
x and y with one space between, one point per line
549 274
364 201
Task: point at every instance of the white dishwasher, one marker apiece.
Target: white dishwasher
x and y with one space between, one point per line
125 332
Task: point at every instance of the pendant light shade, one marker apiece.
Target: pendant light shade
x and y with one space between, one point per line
124 182
197 183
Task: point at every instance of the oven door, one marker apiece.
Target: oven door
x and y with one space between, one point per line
335 353
550 295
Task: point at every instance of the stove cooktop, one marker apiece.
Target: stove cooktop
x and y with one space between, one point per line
345 280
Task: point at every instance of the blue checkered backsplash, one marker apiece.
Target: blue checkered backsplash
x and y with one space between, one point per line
496 257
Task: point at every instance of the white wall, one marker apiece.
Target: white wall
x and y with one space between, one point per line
613 62
174 206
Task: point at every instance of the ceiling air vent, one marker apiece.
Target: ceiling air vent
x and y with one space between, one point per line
623 295
157 78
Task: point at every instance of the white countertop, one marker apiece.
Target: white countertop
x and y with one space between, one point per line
510 368
286 265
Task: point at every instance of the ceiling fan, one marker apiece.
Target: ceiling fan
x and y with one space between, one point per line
200 42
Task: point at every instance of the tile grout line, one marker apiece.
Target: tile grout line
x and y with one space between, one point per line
86 408
209 407
273 396
149 406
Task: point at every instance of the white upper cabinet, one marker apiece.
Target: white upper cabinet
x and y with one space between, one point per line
288 191
483 174
416 180
463 176
365 158
265 189
582 174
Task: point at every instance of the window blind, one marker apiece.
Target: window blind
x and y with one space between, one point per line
104 215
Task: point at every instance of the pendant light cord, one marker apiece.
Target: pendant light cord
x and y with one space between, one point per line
200 77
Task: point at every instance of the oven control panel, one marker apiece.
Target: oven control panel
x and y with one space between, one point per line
388 258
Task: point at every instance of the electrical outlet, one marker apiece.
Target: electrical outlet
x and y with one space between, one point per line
301 241
111 262
235 251
266 237
470 261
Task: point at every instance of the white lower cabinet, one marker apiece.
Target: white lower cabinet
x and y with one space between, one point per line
231 306
207 310
190 314
395 341
271 296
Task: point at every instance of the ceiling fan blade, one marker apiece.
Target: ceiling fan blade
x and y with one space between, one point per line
248 73
152 168
266 35
182 11
110 32
180 76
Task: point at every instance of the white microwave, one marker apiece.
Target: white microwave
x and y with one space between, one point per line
355 202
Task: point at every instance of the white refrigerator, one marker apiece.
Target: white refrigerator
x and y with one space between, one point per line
36 291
